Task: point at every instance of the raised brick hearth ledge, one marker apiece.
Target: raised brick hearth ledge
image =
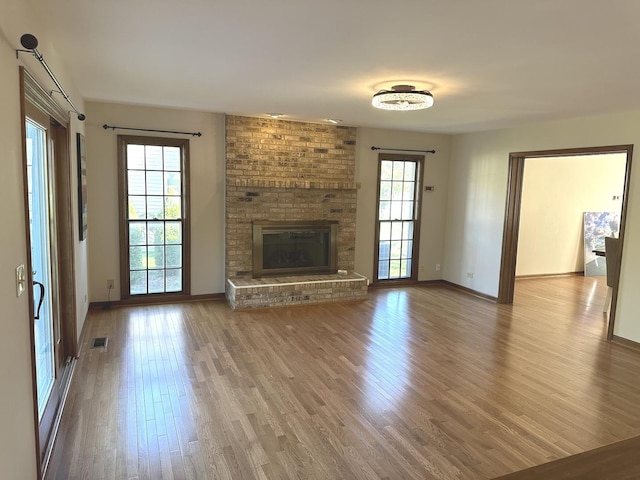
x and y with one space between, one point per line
246 293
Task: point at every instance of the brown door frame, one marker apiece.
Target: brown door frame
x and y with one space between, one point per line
512 215
32 95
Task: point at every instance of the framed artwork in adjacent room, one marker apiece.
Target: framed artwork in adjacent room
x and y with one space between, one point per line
82 187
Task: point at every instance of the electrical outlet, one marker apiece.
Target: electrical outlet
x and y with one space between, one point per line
437 267
469 275
110 284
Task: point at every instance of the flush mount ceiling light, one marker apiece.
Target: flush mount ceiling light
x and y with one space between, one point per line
402 97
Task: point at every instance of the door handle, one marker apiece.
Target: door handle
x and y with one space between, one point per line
37 315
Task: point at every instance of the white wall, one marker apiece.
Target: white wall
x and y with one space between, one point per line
207 191
477 194
17 442
433 203
556 192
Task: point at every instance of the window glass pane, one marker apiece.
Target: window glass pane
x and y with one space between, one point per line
155 183
173 256
156 281
385 190
172 208
137 233
155 233
396 249
137 207
383 270
398 170
153 156
174 280
408 190
396 210
137 258
155 207
406 248
384 250
173 232
135 157
407 210
385 231
384 211
407 230
396 191
135 182
172 158
404 272
410 171
386 170
396 230
138 282
155 259
394 269
171 183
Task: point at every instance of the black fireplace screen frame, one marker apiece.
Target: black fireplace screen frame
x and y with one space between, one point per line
261 228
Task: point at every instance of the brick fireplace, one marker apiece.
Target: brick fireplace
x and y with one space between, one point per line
288 171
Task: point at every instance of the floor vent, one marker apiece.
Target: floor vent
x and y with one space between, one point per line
99 342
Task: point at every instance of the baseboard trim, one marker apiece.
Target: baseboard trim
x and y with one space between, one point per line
625 342
156 301
405 283
547 275
470 291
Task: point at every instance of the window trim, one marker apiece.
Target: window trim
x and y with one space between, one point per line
419 159
183 144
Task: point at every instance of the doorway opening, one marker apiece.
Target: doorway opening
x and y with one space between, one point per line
514 207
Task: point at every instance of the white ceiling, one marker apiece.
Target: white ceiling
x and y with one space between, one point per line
489 63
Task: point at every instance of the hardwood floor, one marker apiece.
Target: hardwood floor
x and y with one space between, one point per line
418 383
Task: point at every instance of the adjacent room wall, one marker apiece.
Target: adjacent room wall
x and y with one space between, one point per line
477 194
17 441
433 219
207 191
555 194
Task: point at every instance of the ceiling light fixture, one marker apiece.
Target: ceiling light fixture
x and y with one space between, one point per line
274 115
402 97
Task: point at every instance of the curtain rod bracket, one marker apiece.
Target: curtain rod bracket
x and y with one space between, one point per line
402 150
113 127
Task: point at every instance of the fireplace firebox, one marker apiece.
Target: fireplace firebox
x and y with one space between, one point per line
294 248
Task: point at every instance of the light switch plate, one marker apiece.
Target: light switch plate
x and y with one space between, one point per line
20 280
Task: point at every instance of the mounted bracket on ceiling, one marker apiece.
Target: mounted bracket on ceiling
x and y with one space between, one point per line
30 44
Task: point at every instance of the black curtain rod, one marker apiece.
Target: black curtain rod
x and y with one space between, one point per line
403 150
113 127
30 43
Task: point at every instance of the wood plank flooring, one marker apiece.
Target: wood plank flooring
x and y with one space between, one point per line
415 383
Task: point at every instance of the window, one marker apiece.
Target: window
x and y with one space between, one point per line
398 214
154 228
